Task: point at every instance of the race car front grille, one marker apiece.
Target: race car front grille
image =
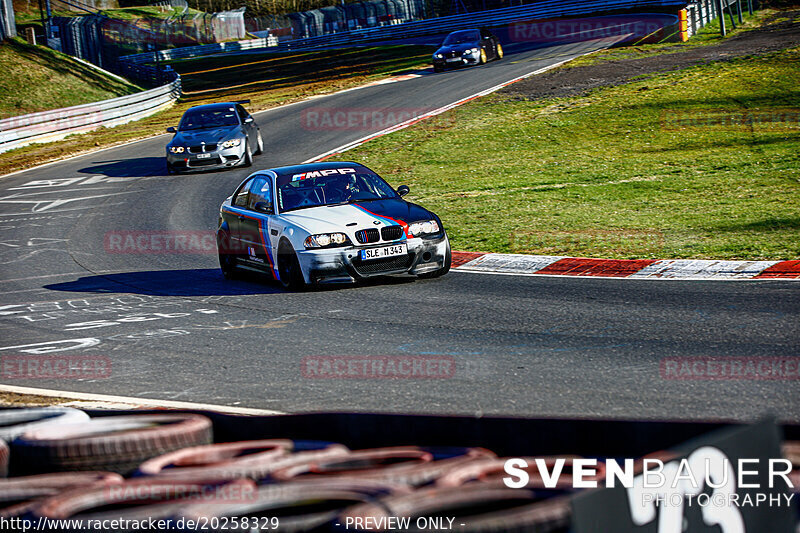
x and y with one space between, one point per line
366 236
205 162
378 266
202 148
391 233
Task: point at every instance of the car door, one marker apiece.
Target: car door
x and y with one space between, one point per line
257 230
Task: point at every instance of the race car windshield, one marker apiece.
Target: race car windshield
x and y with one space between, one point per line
335 187
461 37
202 119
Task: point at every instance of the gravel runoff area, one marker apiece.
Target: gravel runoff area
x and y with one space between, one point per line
781 31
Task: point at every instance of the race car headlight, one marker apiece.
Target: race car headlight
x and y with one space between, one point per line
230 143
325 240
471 51
438 56
423 228
176 149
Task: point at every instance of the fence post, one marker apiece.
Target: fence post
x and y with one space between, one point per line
739 10
721 14
750 6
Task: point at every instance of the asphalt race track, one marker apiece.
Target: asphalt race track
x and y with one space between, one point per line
173 329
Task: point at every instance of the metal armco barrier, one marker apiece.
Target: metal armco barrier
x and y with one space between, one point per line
8 26
548 9
48 126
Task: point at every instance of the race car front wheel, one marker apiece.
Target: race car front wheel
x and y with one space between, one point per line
289 268
448 258
248 155
260 147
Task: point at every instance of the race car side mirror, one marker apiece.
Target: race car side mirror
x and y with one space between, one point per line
263 207
171 129
403 190
248 120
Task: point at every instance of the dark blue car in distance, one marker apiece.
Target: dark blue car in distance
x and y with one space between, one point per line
467 47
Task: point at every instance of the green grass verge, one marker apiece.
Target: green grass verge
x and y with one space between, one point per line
606 175
300 75
707 35
36 78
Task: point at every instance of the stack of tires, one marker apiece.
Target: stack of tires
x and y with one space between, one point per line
64 465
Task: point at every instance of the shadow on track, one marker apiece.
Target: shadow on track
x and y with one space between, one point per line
127 168
193 282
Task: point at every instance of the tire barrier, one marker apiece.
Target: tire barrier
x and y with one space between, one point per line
21 494
301 505
248 459
410 465
15 422
175 474
141 499
115 443
488 509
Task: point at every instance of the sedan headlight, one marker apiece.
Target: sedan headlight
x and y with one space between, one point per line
471 51
176 149
326 240
231 143
423 228
438 56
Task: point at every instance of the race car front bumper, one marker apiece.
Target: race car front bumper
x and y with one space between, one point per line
344 265
222 158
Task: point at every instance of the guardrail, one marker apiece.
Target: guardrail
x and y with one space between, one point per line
495 17
48 126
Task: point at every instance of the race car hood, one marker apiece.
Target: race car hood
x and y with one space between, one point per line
209 136
388 212
457 48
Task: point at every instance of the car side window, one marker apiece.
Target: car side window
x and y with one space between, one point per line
260 193
242 113
485 35
240 200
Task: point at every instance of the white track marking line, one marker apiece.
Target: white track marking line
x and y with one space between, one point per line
139 402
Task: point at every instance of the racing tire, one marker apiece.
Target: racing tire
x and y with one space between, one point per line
15 422
170 170
437 68
301 505
113 443
248 155
19 495
500 52
139 500
260 145
227 260
448 259
291 277
482 60
254 460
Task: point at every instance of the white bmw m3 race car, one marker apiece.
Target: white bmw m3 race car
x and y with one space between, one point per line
327 223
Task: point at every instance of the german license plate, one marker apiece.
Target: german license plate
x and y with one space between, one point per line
385 251
203 156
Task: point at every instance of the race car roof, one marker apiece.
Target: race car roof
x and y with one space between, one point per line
310 167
